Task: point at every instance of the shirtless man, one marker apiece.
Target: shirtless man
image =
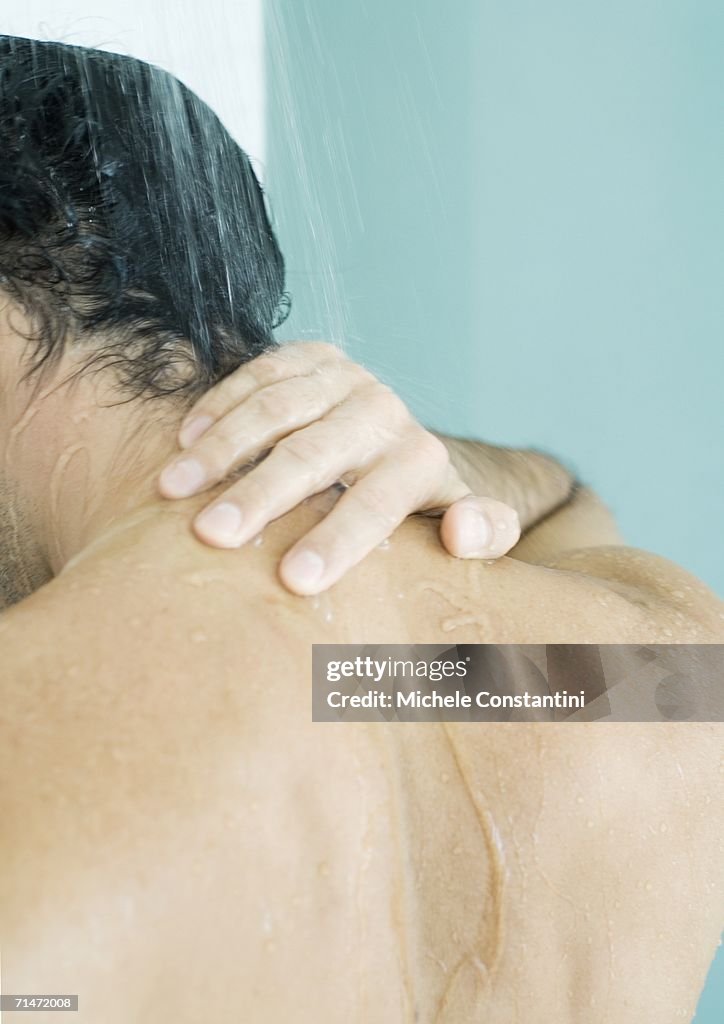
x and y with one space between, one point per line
180 842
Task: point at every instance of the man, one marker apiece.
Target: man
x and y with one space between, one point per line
179 841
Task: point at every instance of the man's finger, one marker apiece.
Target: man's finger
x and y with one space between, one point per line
303 464
267 416
476 527
364 516
293 359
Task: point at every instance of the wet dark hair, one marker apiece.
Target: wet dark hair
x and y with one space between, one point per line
130 221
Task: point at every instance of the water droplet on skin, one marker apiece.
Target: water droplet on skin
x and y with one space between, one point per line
204 578
258 540
315 602
198 637
384 545
456 621
328 616
501 525
400 596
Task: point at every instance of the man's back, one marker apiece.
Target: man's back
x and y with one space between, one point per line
181 841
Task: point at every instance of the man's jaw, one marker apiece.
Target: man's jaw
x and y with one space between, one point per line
23 567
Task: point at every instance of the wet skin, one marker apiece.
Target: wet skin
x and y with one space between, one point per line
181 842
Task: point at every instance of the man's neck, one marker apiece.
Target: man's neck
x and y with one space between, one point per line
77 459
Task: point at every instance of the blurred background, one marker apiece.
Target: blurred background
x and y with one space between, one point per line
512 212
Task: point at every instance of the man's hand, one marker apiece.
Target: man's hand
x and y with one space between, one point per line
316 417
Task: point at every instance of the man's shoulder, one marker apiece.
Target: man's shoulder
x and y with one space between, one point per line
162 605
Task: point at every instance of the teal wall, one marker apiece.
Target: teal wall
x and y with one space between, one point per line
514 213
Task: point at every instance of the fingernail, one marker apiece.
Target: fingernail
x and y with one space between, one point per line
221 523
476 531
303 569
182 478
193 429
